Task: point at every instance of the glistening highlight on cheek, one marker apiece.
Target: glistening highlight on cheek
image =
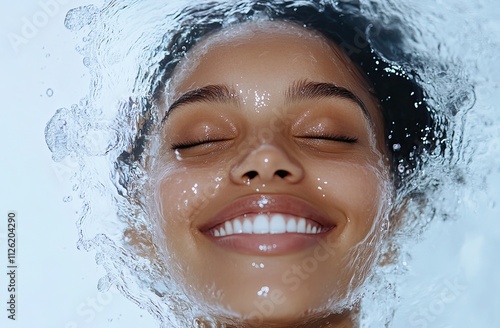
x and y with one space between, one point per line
185 192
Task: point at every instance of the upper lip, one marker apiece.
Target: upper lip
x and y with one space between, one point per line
268 203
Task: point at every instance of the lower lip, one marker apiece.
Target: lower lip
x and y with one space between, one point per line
268 244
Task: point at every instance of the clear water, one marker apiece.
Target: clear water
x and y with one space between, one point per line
457 45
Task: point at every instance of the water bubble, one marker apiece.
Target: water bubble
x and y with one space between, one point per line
104 283
67 199
86 61
57 134
49 92
198 323
396 147
77 18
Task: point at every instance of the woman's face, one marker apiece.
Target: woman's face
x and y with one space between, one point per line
274 185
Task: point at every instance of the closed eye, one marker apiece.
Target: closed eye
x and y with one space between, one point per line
331 137
194 143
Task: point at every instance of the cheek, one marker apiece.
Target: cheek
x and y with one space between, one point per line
360 191
177 194
183 194
361 194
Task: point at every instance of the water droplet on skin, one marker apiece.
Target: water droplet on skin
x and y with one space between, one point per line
262 202
258 265
263 291
179 157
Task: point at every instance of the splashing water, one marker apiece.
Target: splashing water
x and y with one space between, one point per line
124 47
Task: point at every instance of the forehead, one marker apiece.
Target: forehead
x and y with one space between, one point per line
250 48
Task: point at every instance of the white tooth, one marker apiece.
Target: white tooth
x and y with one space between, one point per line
247 226
308 229
222 232
216 233
229 228
261 224
291 225
314 229
238 228
301 225
277 224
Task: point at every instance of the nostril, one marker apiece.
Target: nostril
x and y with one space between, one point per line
282 173
251 174
267 163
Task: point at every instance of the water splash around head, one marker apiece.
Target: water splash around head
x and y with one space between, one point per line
129 47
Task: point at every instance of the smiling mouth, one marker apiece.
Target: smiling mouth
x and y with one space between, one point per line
270 223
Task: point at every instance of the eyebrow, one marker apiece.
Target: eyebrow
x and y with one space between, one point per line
305 90
211 93
299 90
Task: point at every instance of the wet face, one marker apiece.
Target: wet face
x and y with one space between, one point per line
273 183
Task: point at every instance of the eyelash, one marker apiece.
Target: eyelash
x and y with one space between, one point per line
333 137
193 143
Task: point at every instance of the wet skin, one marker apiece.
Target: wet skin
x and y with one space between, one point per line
270 118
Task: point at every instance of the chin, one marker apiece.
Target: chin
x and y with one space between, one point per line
312 305
290 314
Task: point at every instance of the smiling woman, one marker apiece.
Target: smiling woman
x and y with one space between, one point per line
287 135
320 176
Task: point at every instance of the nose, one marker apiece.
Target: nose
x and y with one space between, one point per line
267 163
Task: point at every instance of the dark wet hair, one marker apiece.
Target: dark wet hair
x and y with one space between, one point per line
408 120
